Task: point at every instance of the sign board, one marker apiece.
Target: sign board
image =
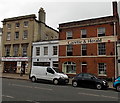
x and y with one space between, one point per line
88 40
15 59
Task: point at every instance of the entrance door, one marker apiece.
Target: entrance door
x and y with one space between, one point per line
23 66
84 67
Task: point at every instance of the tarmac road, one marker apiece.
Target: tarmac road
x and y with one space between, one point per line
21 90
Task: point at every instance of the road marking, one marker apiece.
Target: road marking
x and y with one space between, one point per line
89 94
30 87
7 96
32 101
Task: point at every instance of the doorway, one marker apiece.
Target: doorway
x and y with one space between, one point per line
84 67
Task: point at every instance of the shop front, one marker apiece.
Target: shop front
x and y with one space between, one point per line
14 65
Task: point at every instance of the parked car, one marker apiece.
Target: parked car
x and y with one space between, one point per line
116 84
89 80
47 74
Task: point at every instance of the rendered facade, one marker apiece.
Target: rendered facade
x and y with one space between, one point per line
45 54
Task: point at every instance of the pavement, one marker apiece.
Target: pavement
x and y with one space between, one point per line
26 77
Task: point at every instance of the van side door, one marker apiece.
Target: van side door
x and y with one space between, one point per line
50 74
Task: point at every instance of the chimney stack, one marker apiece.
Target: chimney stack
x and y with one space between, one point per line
41 15
115 9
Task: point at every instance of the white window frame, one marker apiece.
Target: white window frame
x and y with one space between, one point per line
101 31
16 35
25 34
17 24
45 50
82 49
7 50
15 50
9 26
69 64
83 33
24 50
102 67
69 35
37 51
70 49
101 49
26 23
55 50
8 35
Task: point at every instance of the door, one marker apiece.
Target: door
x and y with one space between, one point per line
50 74
84 68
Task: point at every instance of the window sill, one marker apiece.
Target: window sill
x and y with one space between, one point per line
102 75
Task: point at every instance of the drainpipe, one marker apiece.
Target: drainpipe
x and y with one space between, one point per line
116 71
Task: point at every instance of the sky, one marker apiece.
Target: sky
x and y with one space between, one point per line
57 11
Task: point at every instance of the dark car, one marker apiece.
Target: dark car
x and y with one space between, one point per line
89 80
116 84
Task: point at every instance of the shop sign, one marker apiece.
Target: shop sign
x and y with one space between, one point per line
99 40
89 40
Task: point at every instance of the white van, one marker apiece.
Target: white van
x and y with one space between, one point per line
49 74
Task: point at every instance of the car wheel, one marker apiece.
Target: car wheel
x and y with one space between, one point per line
33 79
118 88
55 81
99 86
74 84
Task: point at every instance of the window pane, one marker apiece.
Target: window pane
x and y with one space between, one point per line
102 68
84 49
54 50
17 25
24 50
84 33
37 51
25 23
8 35
25 34
101 31
45 50
69 35
70 67
16 35
69 50
7 50
15 48
101 49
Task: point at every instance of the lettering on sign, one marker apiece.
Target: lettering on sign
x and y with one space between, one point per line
99 40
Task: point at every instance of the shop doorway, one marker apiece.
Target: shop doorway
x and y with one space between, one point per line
23 65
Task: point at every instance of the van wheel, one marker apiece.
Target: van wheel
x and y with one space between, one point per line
74 84
118 88
55 81
33 79
99 86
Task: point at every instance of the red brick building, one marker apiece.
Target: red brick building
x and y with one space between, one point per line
89 46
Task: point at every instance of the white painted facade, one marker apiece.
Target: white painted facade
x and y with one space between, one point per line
42 58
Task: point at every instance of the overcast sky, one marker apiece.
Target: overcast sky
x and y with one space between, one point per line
56 12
